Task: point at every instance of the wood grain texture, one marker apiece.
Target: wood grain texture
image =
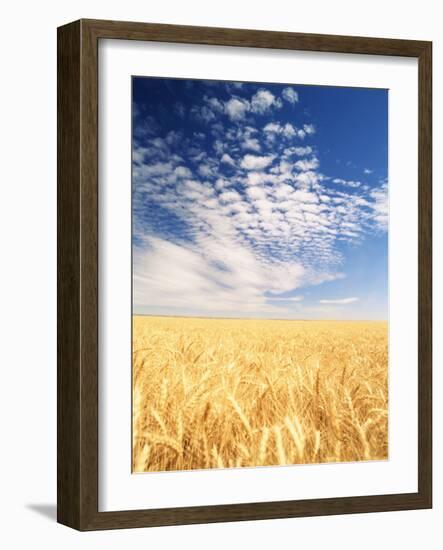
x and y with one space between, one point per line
68 276
254 38
77 452
425 274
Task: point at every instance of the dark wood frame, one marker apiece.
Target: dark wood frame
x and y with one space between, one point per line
77 429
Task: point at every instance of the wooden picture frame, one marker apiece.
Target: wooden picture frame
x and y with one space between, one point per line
77 455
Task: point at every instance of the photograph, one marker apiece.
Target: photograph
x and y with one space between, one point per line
259 274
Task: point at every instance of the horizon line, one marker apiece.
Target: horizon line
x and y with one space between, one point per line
255 318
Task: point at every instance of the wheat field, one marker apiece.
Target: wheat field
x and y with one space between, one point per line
224 393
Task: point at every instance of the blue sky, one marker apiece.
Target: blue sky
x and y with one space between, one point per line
259 200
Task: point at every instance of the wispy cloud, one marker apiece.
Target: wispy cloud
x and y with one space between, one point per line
347 183
290 95
287 299
238 214
340 301
380 206
205 277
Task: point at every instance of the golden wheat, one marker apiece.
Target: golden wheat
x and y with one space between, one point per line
223 393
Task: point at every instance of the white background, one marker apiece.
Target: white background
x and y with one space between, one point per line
118 489
28 275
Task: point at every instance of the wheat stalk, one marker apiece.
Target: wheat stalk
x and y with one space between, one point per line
232 393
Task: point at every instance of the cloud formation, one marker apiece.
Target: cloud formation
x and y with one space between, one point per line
340 301
236 217
290 95
255 162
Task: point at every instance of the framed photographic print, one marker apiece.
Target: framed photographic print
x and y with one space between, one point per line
244 275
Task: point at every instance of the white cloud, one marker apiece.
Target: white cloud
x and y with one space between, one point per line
220 183
251 144
299 151
205 278
214 103
272 127
255 162
230 196
341 301
283 191
381 206
256 178
367 171
194 190
256 193
305 196
307 164
290 95
173 137
202 114
218 146
262 101
236 108
205 170
287 299
182 172
287 130
227 159
348 183
156 169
